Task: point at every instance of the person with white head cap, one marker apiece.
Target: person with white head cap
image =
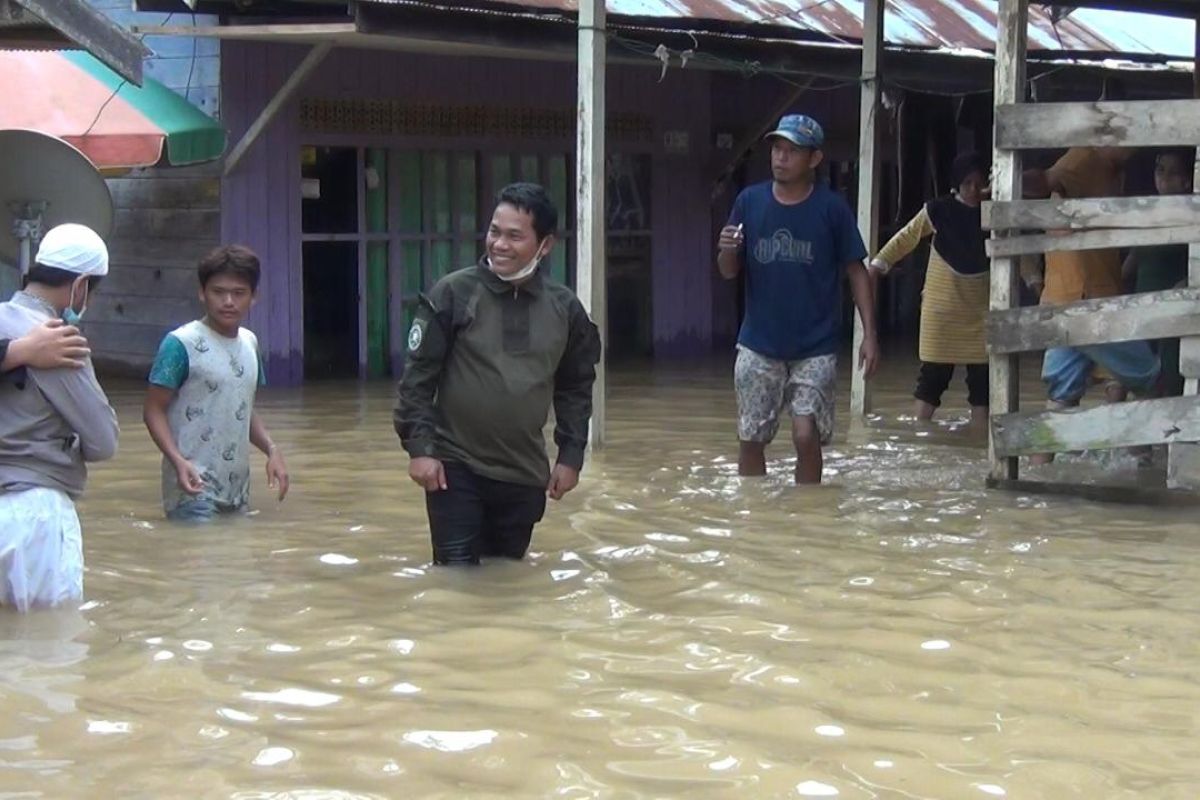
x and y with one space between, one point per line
52 425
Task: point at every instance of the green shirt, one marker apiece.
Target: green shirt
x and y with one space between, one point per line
486 360
1160 267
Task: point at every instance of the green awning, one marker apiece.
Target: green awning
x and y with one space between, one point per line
75 97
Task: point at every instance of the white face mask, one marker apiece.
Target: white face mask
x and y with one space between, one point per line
521 274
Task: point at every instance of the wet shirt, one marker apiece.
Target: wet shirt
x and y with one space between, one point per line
215 379
54 422
485 363
795 260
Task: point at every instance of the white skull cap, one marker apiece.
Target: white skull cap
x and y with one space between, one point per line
74 248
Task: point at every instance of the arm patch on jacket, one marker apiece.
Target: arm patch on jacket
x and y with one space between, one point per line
416 335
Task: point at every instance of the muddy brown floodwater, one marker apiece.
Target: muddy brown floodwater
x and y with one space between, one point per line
675 632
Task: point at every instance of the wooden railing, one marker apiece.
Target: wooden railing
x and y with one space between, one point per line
1084 225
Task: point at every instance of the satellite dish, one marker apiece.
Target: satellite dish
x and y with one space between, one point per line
45 182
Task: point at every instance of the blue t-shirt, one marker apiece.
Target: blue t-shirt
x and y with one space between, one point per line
795 259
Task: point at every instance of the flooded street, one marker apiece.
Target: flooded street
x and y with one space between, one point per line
676 631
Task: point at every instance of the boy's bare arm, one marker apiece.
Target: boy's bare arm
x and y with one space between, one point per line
863 291
277 474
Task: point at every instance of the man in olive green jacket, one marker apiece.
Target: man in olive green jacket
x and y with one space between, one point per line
493 346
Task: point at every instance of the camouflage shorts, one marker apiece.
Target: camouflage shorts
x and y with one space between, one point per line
766 385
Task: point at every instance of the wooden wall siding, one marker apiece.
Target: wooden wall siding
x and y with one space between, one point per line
261 200
166 220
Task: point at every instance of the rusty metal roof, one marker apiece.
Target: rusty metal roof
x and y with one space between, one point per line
922 24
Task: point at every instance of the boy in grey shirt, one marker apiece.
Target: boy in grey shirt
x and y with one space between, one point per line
51 425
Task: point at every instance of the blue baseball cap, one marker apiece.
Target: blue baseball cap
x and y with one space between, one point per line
800 130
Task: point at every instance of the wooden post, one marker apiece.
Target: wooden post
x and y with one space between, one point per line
1183 460
868 178
1189 348
1011 29
590 261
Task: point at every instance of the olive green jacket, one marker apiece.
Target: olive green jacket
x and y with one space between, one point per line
485 362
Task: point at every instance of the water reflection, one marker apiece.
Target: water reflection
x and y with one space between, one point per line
676 631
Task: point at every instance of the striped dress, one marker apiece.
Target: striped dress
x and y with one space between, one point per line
954 303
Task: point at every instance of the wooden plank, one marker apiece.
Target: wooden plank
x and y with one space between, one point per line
1189 359
159 223
1138 422
1125 318
294 81
590 260
1091 240
165 312
1166 211
1183 466
138 281
1103 493
295 32
868 178
209 169
1134 123
1011 31
166 253
1183 459
124 337
1189 347
157 192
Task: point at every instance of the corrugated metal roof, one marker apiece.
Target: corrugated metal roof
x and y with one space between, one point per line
924 24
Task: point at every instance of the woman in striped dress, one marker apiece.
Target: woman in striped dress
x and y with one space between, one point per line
954 303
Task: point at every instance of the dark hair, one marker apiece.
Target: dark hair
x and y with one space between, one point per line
234 260
55 277
532 199
1186 156
964 165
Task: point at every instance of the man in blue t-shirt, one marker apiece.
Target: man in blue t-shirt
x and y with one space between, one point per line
797 242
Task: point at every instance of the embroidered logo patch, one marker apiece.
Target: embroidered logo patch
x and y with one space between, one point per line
416 334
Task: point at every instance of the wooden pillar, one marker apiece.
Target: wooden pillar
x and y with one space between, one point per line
590 263
868 177
1189 348
1011 33
1183 459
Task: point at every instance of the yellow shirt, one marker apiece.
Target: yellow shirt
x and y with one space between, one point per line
953 306
1084 172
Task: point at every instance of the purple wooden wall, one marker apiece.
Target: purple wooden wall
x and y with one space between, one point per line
261 200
